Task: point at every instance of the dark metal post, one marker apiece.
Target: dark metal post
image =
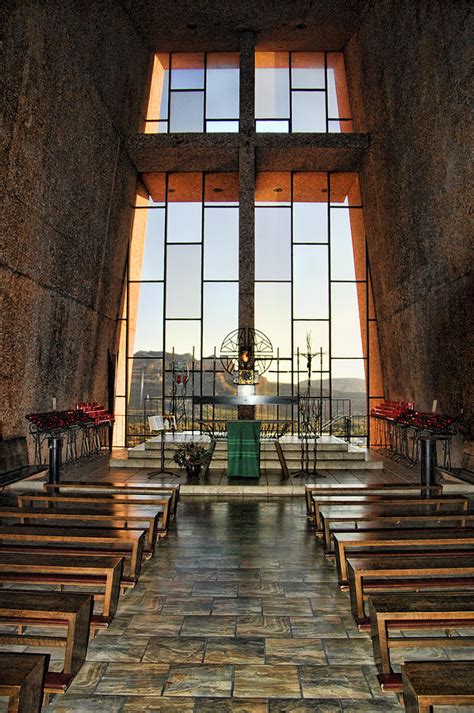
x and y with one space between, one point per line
428 463
55 444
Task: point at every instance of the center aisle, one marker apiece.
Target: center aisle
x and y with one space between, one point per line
238 611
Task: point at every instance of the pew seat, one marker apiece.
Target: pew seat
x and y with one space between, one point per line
353 543
71 610
377 573
413 611
437 683
22 680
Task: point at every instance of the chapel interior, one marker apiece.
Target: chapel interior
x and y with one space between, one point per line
236 434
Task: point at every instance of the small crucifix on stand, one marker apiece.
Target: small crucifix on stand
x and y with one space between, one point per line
310 416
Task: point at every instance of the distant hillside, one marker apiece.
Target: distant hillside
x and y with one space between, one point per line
147 380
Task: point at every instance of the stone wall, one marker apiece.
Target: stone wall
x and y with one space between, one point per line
74 75
409 74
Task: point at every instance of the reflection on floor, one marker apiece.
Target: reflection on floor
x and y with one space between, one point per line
238 611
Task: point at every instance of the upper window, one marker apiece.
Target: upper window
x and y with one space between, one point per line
301 92
194 91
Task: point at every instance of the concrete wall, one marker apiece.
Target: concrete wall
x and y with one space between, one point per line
73 78
409 69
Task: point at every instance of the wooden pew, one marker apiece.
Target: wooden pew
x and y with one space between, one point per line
363 489
22 680
406 501
409 574
127 543
84 516
46 609
113 487
353 543
101 572
163 501
333 515
437 683
415 611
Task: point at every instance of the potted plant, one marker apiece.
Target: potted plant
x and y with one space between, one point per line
192 456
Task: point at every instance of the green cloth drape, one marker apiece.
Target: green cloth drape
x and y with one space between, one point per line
243 449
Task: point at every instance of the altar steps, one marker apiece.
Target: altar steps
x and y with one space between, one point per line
332 454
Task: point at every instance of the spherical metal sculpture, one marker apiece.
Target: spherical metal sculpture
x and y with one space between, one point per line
247 352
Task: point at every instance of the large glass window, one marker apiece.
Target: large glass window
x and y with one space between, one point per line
195 92
312 280
182 291
301 92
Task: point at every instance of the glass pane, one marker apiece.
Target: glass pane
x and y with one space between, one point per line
310 222
319 332
348 382
184 222
272 243
307 70
272 127
221 314
187 111
187 70
221 244
183 281
308 111
231 127
222 93
146 314
273 314
310 282
145 380
183 335
342 252
146 259
345 321
272 92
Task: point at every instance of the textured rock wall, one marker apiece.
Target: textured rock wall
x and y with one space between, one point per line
409 73
73 77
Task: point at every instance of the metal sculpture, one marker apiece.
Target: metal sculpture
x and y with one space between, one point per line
246 353
310 412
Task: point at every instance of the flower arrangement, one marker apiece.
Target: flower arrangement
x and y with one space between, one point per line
189 455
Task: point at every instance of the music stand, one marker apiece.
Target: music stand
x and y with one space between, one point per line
158 423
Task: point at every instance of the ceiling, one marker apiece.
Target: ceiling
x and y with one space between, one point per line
278 24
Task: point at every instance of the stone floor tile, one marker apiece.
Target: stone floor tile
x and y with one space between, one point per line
117 648
208 626
235 651
150 624
207 705
167 649
333 682
158 705
294 651
85 682
378 705
303 706
266 626
287 606
343 652
189 605
215 589
86 704
266 681
142 679
240 605
260 589
197 681
306 627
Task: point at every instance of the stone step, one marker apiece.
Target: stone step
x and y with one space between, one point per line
152 445
151 463
267 457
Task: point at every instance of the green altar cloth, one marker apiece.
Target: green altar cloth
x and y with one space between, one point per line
243 449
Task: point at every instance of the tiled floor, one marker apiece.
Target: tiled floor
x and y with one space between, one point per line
238 611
